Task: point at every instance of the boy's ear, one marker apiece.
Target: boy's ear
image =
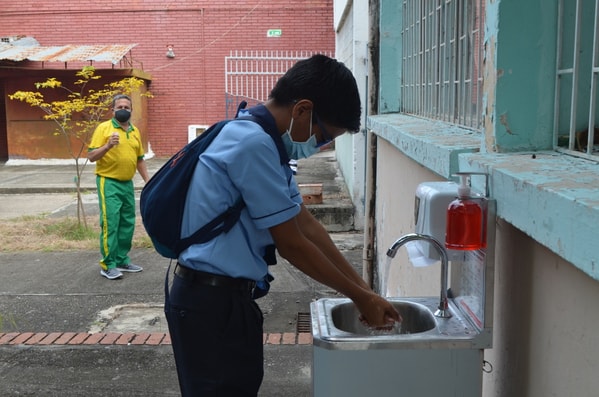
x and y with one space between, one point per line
303 108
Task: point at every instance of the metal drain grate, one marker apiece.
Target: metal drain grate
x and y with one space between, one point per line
304 323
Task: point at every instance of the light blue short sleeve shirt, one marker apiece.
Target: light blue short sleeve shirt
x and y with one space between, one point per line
243 160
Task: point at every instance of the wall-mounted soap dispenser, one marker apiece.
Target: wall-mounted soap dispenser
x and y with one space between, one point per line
430 212
466 219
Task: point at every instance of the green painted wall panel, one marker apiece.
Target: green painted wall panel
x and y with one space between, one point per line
390 56
525 59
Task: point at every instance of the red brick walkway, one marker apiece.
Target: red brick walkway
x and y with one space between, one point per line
111 338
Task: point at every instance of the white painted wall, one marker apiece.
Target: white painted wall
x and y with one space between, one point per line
351 25
397 179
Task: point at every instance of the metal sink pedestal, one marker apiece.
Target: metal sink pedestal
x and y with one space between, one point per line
444 360
405 373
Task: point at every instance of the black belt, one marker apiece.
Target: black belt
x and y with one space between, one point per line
213 280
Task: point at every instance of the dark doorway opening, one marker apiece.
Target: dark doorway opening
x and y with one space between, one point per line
3 127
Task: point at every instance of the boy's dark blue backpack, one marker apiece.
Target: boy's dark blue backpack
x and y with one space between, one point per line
162 199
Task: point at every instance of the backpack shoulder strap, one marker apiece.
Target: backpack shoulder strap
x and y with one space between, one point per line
224 221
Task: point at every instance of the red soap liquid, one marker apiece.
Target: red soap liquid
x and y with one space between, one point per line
465 226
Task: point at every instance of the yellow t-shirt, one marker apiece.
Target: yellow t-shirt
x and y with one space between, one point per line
120 162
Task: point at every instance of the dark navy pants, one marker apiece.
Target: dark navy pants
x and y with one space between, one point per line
216 335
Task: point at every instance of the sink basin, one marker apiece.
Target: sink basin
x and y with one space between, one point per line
336 325
416 318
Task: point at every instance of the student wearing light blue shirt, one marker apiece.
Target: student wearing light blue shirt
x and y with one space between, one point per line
214 323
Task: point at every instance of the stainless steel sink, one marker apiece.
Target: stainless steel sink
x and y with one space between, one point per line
416 318
350 359
336 325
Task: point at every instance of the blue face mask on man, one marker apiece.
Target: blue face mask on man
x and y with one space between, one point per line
299 150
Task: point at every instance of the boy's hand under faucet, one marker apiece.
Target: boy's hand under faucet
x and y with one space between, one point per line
375 309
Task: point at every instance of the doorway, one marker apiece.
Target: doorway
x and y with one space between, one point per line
3 128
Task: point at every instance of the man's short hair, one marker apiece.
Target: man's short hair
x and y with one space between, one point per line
120 96
329 84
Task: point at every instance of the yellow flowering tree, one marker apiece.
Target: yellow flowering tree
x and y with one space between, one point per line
77 116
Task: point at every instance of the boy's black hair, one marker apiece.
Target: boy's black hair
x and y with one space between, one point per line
330 86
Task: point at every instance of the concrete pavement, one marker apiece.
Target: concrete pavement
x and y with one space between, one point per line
65 330
48 188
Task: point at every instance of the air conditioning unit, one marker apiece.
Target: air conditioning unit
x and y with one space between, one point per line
194 130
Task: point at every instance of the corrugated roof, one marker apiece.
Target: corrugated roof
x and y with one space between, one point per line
68 53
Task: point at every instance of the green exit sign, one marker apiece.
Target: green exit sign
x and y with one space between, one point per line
274 33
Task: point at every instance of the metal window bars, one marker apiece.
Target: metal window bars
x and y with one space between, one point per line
577 70
442 55
251 75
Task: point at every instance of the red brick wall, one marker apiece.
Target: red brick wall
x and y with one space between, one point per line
188 89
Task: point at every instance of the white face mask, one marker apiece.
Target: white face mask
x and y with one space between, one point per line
299 150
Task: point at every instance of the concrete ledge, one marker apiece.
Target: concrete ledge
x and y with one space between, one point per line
434 144
550 196
335 217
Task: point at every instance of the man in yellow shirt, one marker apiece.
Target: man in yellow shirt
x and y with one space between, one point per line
117 150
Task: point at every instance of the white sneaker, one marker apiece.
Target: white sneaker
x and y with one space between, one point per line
111 274
130 268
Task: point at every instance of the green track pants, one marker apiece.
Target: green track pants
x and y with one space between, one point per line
117 220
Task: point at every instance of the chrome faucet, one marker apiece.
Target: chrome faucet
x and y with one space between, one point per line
443 310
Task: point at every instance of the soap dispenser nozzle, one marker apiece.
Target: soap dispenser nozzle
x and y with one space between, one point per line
464 186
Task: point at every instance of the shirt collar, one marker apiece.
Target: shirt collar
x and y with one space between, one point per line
268 123
116 124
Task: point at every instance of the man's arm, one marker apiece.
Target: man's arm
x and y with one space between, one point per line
143 169
97 154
